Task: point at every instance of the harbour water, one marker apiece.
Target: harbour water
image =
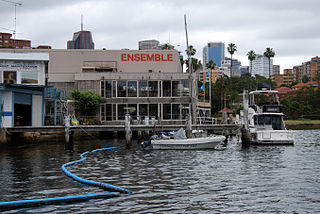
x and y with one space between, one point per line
232 179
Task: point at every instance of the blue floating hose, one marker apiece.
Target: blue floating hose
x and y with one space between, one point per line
89 182
70 199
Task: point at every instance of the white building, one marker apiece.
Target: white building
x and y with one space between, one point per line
260 66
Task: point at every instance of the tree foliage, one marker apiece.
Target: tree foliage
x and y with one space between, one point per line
86 103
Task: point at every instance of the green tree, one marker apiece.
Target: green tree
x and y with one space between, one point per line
251 56
232 48
86 103
191 51
305 79
210 65
269 53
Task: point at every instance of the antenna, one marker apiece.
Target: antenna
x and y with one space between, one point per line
81 22
15 16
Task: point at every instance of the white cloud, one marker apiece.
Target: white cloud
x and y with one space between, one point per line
288 26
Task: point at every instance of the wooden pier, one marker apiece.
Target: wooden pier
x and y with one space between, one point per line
225 129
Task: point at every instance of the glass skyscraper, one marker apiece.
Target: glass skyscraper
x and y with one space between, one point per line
213 51
81 40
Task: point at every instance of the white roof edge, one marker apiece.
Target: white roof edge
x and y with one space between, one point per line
25 56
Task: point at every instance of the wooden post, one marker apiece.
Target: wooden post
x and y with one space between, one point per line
68 135
128 130
189 127
3 137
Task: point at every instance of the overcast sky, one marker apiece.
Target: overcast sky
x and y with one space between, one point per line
290 27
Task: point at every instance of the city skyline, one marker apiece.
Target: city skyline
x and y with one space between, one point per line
289 27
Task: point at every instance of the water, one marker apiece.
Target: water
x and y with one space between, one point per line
273 179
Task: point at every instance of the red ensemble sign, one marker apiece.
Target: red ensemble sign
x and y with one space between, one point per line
147 57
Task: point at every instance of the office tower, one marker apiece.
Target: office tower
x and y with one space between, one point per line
213 51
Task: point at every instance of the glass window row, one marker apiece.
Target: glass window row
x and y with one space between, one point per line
144 88
114 112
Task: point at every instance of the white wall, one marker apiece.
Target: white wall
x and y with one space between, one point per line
7 107
36 110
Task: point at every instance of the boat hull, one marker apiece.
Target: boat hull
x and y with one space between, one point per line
274 137
191 143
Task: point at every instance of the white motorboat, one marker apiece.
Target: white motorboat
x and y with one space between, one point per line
190 143
263 119
179 141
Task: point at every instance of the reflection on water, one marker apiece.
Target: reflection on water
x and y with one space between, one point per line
231 180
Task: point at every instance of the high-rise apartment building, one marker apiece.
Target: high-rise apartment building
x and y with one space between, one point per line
81 40
309 69
213 51
7 41
260 66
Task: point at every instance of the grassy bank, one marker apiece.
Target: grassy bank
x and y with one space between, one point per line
302 124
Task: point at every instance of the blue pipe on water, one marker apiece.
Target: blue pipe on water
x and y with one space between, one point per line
39 202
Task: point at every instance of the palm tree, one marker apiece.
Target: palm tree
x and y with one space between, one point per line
231 49
191 51
269 53
251 56
165 47
210 65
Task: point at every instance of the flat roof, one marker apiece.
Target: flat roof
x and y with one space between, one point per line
27 56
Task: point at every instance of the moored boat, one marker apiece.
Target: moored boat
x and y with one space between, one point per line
263 119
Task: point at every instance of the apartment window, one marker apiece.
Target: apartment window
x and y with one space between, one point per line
132 110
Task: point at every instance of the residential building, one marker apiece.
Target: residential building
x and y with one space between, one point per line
7 41
260 66
81 40
214 51
226 64
278 78
288 77
276 69
310 69
149 45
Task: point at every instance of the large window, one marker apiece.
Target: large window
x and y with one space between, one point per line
175 111
143 88
108 88
29 77
122 111
153 88
185 88
153 110
132 88
143 110
108 112
167 111
122 88
175 89
166 88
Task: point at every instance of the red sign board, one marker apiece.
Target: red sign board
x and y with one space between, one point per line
147 57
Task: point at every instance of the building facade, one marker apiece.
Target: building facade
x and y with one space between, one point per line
260 66
148 45
22 86
236 65
214 51
81 40
310 69
143 83
7 41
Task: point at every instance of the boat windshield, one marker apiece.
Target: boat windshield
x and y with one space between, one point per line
274 120
264 98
